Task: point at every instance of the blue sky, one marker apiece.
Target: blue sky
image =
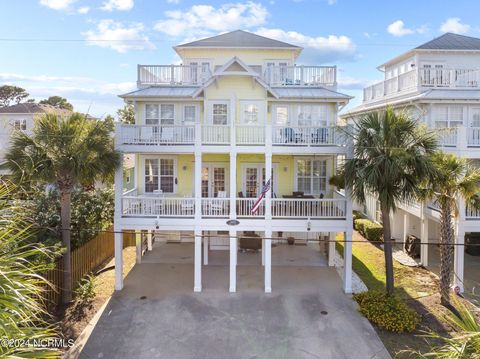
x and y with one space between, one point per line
87 50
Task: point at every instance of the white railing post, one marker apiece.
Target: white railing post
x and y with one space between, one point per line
233 185
117 227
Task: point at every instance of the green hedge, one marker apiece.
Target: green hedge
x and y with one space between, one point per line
388 312
370 230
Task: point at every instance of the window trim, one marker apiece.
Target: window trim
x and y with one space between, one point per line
159 119
316 158
175 173
261 111
211 103
22 124
197 113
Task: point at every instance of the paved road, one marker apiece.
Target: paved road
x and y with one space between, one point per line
306 316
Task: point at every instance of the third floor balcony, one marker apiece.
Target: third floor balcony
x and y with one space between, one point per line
275 76
421 79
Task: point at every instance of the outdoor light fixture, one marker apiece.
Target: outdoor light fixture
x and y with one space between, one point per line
156 225
309 226
285 169
184 168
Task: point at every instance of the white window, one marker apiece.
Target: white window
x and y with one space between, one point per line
167 114
159 114
151 114
251 112
311 176
160 175
220 114
189 114
448 116
20 125
281 116
312 115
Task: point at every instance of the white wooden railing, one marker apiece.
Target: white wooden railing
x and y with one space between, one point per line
309 208
423 77
245 205
250 135
447 136
176 75
301 75
449 77
156 135
215 207
472 212
312 136
215 134
473 136
158 206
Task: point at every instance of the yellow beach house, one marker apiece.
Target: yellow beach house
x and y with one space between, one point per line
211 132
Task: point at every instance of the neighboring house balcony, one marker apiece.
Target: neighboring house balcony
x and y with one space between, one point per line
163 206
463 139
422 79
274 76
151 138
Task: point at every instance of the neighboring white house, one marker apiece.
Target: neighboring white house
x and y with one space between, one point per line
439 83
210 132
19 117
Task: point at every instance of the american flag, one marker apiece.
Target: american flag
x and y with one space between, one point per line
265 189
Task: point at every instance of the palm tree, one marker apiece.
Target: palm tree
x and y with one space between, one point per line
68 152
22 312
391 156
452 180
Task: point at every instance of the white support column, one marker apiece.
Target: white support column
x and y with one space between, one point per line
268 195
138 246
406 225
268 260
459 249
206 243
233 185
117 226
197 277
347 261
150 240
198 187
331 249
459 259
263 251
233 260
424 239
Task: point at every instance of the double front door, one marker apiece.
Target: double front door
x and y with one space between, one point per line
214 180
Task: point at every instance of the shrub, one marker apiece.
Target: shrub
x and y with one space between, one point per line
373 231
388 312
357 215
359 224
86 289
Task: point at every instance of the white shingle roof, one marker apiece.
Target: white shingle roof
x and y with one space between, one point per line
162 91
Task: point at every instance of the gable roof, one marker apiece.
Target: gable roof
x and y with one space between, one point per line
237 39
31 107
449 41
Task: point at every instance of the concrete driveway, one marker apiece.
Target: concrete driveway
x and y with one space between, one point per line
306 316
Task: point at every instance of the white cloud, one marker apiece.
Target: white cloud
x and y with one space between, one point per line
119 37
120 5
454 25
57 4
331 2
398 29
319 49
353 83
173 1
205 20
83 10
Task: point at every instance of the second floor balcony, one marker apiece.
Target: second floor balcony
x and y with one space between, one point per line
240 135
423 78
275 76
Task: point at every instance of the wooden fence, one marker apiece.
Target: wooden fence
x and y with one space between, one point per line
85 259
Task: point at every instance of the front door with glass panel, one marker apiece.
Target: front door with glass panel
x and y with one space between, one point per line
214 180
254 179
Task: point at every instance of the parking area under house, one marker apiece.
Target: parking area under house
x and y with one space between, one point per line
157 315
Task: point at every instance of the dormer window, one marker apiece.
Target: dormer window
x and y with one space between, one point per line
20 125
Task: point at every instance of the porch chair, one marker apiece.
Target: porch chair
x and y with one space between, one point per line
217 204
187 205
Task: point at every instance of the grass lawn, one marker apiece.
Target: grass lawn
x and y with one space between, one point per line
418 286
